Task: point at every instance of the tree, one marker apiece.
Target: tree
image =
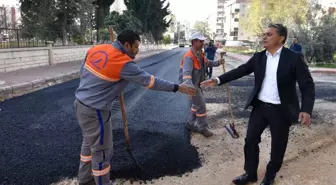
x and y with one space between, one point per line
167 39
86 21
152 14
123 21
260 13
38 19
50 19
102 10
318 36
66 12
203 28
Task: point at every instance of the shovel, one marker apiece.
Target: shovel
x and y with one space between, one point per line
127 138
231 126
123 112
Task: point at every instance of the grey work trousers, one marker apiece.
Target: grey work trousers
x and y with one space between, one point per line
198 113
97 146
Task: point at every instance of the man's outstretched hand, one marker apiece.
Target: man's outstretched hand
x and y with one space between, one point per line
209 83
187 89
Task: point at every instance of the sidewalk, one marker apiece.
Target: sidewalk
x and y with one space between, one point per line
244 58
20 82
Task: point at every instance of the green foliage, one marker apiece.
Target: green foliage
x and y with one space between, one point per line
123 21
318 36
102 10
166 39
152 14
37 19
260 13
50 19
203 27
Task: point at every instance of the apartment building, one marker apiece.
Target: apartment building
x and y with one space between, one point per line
220 35
229 15
8 17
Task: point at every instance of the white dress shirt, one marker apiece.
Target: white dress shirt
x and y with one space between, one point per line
269 90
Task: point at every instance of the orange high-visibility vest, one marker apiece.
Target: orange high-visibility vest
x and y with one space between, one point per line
196 62
106 62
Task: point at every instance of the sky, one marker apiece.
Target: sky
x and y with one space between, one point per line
8 2
193 10
184 10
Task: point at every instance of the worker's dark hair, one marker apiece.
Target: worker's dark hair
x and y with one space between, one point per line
296 38
281 30
128 36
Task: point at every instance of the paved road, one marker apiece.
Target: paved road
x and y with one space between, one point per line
40 137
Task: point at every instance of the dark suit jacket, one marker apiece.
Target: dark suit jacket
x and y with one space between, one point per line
291 69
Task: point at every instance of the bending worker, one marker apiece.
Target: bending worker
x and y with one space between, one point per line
192 72
106 71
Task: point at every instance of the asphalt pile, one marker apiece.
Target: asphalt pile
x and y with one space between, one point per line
41 142
157 153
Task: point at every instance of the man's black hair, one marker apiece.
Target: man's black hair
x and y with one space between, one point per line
296 38
128 36
281 30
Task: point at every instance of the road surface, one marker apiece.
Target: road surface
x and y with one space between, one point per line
41 138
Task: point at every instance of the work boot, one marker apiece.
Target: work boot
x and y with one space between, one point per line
203 128
91 182
205 132
191 126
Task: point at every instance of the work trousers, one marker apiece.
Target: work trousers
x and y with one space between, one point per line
263 115
97 146
198 114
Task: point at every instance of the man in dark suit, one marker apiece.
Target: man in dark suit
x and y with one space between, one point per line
274 100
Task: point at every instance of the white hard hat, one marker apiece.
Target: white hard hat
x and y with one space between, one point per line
197 35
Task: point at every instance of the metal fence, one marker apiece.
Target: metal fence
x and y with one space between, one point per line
13 38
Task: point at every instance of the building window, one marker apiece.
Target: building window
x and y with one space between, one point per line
236 10
235 38
236 20
234 33
235 29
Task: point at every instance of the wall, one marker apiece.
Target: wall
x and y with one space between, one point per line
16 59
23 58
68 54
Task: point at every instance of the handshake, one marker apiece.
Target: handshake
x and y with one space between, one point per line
187 89
191 90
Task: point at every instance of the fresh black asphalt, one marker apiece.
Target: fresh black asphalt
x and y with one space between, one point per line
40 137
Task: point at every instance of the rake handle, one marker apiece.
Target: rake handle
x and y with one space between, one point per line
228 91
123 112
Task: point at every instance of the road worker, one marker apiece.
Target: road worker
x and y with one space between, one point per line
192 72
105 72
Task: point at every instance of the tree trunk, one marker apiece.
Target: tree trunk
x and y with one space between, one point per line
64 27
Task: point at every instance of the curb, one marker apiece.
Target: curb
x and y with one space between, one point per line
323 72
11 91
312 70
